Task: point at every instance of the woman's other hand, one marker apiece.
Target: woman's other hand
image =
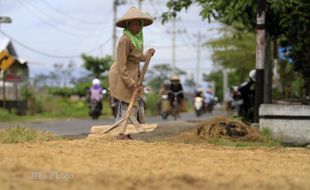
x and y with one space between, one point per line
150 52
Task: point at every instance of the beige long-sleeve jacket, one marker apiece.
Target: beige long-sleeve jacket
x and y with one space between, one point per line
125 70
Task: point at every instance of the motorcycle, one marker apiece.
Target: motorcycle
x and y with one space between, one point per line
95 108
198 105
165 107
95 105
243 98
175 112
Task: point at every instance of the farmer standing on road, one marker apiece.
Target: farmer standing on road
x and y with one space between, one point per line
124 73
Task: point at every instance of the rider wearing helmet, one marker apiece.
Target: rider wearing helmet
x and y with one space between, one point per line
176 86
95 92
252 75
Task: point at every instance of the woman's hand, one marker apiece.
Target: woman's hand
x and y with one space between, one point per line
150 52
136 86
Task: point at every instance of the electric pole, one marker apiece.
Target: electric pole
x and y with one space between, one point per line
114 27
199 37
260 57
173 46
225 84
174 32
140 4
115 4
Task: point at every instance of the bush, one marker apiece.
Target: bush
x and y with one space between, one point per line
151 104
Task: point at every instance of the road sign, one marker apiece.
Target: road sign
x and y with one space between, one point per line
6 60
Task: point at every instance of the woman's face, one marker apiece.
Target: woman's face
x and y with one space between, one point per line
134 26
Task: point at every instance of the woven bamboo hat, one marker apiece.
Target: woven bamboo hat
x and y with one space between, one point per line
134 14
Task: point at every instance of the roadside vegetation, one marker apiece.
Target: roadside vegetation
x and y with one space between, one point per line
20 134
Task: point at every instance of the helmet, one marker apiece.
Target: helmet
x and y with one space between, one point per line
252 75
96 81
174 77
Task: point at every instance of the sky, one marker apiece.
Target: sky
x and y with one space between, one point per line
45 32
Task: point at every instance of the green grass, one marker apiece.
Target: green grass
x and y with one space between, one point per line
54 108
19 134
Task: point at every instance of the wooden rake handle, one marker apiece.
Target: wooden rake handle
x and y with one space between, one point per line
136 92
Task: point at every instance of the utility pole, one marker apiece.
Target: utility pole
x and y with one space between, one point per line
173 46
115 4
199 37
174 32
114 27
260 57
225 84
140 4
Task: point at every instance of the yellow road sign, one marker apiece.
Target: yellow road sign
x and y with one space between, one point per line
3 55
6 63
6 60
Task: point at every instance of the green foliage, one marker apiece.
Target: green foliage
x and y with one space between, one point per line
235 51
59 91
98 66
5 115
288 19
151 104
30 96
158 73
21 134
295 21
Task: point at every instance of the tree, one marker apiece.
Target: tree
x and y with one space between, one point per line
159 73
62 75
287 19
98 66
235 51
296 26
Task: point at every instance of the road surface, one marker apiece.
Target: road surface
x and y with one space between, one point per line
81 127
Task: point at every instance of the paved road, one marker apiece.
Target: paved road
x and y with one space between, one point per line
81 127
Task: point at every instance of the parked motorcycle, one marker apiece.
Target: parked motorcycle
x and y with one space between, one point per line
244 98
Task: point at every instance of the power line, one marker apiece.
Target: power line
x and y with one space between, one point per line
48 15
51 55
55 27
71 17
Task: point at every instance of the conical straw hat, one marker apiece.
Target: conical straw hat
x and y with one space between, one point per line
134 14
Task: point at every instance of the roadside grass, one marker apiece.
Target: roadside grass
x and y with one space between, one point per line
55 108
19 134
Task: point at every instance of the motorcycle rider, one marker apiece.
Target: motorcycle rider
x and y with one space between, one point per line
198 102
95 95
164 89
175 86
209 100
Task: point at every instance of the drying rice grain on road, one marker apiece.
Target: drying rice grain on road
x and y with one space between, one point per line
106 163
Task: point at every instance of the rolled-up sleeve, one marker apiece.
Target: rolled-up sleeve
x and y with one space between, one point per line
123 50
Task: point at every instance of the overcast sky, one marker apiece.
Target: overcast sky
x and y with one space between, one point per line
69 28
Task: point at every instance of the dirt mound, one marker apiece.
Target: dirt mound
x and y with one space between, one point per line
222 127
